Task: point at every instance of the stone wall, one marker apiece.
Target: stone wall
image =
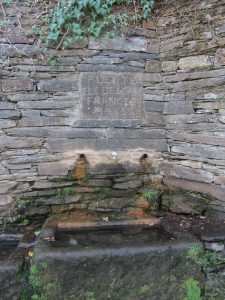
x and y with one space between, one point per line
192 55
139 109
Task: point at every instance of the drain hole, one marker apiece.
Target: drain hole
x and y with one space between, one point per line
82 155
144 156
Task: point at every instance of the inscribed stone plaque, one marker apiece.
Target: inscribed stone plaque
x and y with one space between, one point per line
107 95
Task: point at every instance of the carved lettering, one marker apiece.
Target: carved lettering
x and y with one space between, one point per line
106 95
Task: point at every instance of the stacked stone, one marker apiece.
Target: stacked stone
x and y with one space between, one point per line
192 42
45 123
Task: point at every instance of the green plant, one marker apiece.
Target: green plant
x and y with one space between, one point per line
152 196
102 194
37 289
193 289
144 290
73 20
89 296
65 192
205 258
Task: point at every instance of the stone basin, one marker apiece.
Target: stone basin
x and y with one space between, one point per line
131 260
10 262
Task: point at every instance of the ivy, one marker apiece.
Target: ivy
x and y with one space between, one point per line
73 20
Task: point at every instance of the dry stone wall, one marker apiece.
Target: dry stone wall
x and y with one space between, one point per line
159 92
192 42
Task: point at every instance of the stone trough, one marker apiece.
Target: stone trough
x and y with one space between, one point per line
134 259
11 281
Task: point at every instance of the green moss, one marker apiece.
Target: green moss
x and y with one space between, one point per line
193 289
144 290
63 193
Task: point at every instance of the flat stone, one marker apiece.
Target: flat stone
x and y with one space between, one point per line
116 123
6 186
26 96
15 143
192 174
219 58
5 199
8 50
136 133
119 44
218 247
201 187
57 85
111 204
46 104
153 66
6 105
183 203
154 118
132 184
195 62
134 56
108 95
178 107
53 169
198 84
61 145
207 151
102 60
15 85
211 232
107 67
169 66
152 97
155 106
4 124
9 114
79 44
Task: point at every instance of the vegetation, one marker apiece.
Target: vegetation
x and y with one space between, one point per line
70 21
193 289
65 192
152 196
144 290
37 289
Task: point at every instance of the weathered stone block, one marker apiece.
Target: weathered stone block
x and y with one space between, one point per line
58 85
20 50
111 96
107 67
116 123
219 58
156 106
178 107
16 85
6 186
184 203
46 104
5 199
102 60
9 114
195 62
6 105
132 184
192 174
169 66
153 66
194 186
7 124
152 97
111 204
53 169
119 43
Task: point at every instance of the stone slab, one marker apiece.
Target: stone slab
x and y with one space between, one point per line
119 44
107 95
